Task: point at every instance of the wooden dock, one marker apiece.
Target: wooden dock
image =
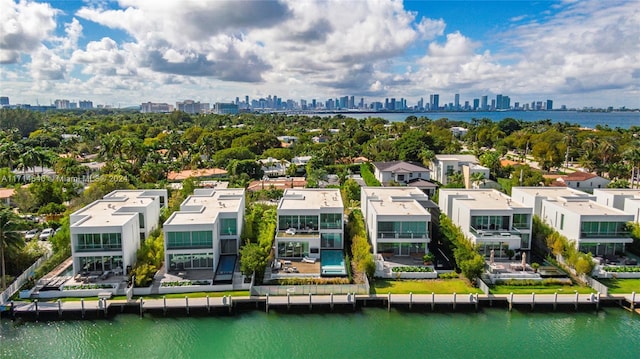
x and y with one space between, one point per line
227 304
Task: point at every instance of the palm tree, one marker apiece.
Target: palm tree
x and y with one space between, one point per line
9 237
477 179
632 155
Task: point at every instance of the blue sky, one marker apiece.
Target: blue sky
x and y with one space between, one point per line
578 53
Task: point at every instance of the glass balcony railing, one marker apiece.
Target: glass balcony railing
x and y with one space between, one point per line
590 235
98 249
494 232
417 235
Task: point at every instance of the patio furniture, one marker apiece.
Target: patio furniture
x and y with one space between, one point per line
308 260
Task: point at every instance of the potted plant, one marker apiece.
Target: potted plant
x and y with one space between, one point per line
428 259
535 266
510 253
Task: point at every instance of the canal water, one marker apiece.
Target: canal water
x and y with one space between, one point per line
367 333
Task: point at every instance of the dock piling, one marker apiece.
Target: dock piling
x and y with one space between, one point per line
230 304
389 302
208 305
477 301
35 301
82 306
511 301
598 302
267 304
288 301
633 301
577 299
433 301
141 306
164 304
533 300
310 301
555 300
454 301
59 308
331 301
410 299
186 301
104 306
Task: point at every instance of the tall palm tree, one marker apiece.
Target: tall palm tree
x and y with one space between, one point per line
477 179
9 237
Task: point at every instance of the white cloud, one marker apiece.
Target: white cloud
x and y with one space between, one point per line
23 27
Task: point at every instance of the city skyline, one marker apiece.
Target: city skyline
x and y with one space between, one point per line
577 53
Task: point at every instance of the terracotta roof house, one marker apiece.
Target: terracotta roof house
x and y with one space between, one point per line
583 181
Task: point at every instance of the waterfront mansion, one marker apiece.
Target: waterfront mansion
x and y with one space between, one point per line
490 218
397 220
106 234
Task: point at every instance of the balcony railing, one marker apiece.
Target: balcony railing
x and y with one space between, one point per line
494 232
586 235
416 235
98 249
298 233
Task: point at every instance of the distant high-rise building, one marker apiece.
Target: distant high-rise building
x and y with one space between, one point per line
4 101
434 102
493 105
225 108
86 105
506 103
549 105
484 105
498 102
392 104
386 103
62 104
421 104
456 101
190 106
476 104
153 107
352 102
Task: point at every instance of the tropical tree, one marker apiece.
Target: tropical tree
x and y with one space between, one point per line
10 238
478 179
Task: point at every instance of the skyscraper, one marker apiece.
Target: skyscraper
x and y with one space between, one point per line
434 102
484 103
456 101
549 105
476 104
498 102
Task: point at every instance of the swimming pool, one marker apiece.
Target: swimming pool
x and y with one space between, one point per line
227 264
332 263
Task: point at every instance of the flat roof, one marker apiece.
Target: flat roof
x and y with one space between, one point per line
458 157
619 191
590 208
310 198
489 199
396 201
115 209
553 192
204 205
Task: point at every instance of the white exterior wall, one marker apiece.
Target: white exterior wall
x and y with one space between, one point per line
632 206
552 215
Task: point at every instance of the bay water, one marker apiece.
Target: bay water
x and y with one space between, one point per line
367 333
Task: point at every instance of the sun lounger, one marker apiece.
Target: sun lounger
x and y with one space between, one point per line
308 260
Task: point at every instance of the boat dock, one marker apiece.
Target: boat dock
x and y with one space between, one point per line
104 307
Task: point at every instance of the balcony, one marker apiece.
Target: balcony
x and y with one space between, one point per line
298 233
80 248
387 235
596 235
495 233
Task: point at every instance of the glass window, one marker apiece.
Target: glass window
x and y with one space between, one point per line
331 220
228 226
521 221
331 240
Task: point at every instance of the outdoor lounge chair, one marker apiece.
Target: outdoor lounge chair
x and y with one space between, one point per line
308 260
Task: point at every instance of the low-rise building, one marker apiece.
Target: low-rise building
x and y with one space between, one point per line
397 220
489 218
443 166
625 199
400 172
273 167
583 181
106 234
208 225
593 227
310 221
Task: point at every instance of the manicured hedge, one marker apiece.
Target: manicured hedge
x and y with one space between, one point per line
412 269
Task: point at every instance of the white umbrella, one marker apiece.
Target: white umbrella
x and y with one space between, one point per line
492 257
524 261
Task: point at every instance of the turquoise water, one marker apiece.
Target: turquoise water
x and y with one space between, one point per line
332 263
367 333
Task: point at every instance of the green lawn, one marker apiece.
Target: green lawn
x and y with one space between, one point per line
540 289
622 286
239 293
426 286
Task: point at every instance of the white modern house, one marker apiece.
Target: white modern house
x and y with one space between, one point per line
273 167
106 234
310 220
400 172
396 219
208 225
444 166
489 218
625 199
576 215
